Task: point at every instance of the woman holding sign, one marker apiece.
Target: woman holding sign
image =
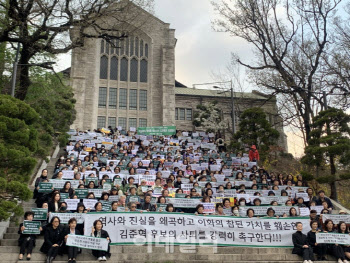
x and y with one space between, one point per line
26 240
97 231
334 249
53 239
319 249
71 230
343 229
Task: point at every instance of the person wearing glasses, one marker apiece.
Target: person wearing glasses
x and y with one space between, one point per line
97 231
53 239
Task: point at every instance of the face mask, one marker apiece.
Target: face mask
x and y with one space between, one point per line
62 158
75 170
235 212
63 208
242 203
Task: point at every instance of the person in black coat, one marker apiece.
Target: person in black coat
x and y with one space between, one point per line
67 188
301 244
319 249
53 239
70 230
97 231
25 240
147 204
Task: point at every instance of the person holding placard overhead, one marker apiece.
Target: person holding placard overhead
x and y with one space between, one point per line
26 241
97 231
53 239
301 244
70 230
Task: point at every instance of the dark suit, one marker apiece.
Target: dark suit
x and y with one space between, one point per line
319 249
52 207
51 237
71 251
25 241
99 253
299 240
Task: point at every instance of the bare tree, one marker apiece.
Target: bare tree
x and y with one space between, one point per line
291 41
44 27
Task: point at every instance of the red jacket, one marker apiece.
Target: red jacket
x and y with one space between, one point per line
254 155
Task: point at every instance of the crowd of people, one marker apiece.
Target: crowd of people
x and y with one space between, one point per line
124 171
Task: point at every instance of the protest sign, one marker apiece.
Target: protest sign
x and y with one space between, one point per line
64 217
97 192
262 210
31 227
178 229
89 203
64 196
209 208
184 202
87 242
336 218
91 179
67 174
318 208
72 204
113 198
304 211
40 213
59 184
157 130
266 200
81 193
333 238
45 188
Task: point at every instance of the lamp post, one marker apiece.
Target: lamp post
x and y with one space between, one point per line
232 98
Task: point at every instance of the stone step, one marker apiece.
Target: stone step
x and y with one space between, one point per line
16 236
154 257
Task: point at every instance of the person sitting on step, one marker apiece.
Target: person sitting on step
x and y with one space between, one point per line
301 244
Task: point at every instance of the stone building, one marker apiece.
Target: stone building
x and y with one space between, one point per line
134 85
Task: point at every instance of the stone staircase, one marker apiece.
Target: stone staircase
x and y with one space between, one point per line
136 254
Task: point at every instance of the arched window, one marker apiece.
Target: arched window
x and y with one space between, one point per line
113 75
133 70
127 47
131 46
122 49
141 48
146 50
103 67
107 47
143 70
118 43
102 46
137 46
124 69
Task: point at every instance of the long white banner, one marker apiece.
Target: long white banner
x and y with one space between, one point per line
180 229
336 218
94 243
333 238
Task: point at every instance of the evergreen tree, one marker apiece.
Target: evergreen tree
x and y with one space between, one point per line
329 144
255 129
18 144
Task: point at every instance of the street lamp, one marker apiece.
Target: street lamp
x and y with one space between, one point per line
15 65
232 98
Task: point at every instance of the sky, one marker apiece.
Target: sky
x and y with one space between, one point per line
201 52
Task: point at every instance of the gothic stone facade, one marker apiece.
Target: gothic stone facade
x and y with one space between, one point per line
131 86
134 85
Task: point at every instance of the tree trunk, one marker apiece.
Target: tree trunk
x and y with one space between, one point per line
334 193
23 71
